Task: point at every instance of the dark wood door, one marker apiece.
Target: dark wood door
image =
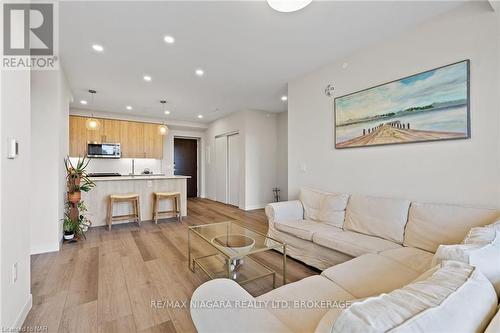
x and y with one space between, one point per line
186 163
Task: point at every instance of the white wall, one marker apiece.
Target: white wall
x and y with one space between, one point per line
50 98
460 171
282 155
258 150
261 141
15 194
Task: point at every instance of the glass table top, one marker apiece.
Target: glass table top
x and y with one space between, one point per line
235 240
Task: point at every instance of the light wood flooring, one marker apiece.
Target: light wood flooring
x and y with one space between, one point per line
107 282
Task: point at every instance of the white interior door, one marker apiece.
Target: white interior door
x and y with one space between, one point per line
221 169
233 165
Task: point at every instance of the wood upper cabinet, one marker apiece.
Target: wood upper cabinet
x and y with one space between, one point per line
96 135
153 141
132 139
112 131
77 136
138 140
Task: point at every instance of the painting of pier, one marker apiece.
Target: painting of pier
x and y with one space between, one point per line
430 106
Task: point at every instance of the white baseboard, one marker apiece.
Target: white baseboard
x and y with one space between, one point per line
46 248
24 312
252 207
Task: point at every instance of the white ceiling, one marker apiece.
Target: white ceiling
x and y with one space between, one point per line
248 51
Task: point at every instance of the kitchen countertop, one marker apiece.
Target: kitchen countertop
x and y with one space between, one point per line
137 177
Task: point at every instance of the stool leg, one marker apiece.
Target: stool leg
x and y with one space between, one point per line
154 208
157 205
138 210
110 213
178 207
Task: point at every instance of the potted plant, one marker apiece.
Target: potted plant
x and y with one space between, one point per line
77 178
68 228
75 223
74 194
76 173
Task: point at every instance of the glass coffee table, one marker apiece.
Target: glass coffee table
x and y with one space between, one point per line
230 250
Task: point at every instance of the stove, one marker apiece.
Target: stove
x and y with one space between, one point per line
104 174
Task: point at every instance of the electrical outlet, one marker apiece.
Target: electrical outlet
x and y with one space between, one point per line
150 183
14 273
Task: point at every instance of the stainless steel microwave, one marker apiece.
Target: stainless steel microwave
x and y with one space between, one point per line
104 150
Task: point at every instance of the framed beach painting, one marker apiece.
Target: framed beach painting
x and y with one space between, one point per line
429 106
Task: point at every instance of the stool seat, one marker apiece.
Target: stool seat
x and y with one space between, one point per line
133 198
176 203
166 194
124 196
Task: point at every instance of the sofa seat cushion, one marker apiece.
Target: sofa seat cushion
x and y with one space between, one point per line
304 229
382 217
431 225
323 206
451 297
307 302
413 258
353 243
370 275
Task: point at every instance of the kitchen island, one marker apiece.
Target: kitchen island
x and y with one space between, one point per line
97 199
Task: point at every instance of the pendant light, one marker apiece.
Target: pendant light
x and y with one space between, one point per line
288 6
163 129
91 123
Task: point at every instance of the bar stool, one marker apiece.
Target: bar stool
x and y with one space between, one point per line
176 203
133 198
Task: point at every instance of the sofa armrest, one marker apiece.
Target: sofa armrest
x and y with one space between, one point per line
221 305
286 210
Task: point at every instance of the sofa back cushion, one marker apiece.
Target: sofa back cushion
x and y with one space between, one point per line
485 257
430 225
381 217
323 206
429 304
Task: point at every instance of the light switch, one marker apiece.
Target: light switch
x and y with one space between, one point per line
302 167
150 183
13 149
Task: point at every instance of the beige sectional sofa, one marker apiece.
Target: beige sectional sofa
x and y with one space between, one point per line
324 229
375 253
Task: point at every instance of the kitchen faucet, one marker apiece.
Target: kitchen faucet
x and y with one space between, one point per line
133 168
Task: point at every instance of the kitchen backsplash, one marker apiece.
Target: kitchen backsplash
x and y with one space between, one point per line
123 165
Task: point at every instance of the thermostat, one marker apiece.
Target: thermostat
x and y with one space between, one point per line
13 149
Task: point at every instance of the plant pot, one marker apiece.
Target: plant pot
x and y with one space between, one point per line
68 235
74 197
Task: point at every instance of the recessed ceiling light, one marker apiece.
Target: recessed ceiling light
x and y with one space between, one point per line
200 116
169 39
199 72
284 98
147 78
84 102
128 107
98 48
167 112
288 6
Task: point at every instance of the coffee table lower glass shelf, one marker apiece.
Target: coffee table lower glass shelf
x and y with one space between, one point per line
230 250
